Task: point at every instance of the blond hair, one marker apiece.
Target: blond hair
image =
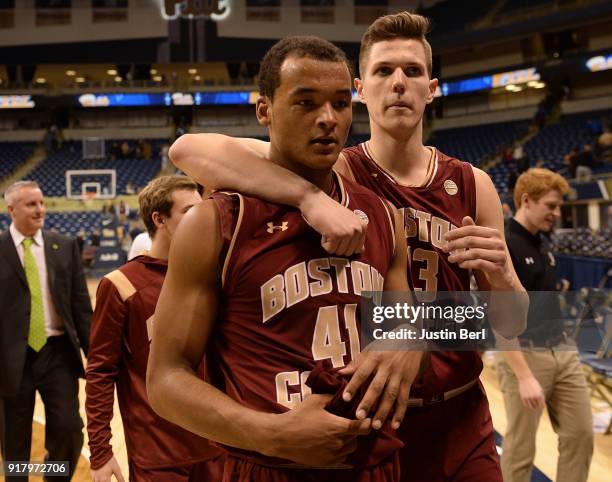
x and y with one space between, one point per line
157 197
403 25
536 182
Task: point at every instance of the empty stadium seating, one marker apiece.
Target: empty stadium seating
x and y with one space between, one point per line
69 223
50 172
584 242
473 144
12 155
554 141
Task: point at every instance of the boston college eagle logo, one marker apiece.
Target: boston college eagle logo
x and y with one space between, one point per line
214 9
284 226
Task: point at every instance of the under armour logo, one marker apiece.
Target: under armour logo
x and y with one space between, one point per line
283 227
529 260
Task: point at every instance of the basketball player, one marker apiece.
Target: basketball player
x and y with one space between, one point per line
452 218
262 299
157 449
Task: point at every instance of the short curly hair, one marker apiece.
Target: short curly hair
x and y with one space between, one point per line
536 182
157 196
300 47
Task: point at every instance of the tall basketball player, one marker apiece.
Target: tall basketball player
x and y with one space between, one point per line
452 219
256 293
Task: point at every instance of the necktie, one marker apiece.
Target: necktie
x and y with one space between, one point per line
37 337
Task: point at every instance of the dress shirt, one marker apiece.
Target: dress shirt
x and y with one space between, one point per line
53 323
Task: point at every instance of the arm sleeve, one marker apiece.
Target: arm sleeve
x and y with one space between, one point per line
80 302
102 369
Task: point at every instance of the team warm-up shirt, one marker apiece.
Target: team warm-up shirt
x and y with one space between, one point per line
119 351
429 212
286 303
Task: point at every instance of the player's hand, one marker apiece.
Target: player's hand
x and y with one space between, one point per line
482 248
342 231
531 393
104 473
310 435
394 373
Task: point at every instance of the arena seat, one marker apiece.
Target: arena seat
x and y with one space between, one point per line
70 156
473 144
68 223
12 155
554 141
584 242
598 361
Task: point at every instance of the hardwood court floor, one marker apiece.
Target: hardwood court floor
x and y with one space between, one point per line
546 454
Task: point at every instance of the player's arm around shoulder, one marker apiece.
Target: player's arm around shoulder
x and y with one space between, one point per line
221 162
216 160
502 276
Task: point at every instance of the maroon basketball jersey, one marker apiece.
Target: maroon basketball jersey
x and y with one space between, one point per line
429 212
286 303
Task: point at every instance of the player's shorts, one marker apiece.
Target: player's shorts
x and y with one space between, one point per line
207 471
449 441
238 469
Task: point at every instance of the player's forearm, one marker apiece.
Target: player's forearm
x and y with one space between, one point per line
179 396
222 162
508 312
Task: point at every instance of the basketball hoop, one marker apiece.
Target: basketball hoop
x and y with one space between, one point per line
88 197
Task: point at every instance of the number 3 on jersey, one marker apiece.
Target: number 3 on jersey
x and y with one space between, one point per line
429 273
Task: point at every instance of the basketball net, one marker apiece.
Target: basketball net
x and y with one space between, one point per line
88 198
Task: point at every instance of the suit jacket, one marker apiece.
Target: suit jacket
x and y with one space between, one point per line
70 298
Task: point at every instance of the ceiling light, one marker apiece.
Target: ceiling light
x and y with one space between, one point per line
118 79
193 71
153 71
111 72
71 73
41 80
158 78
197 77
80 80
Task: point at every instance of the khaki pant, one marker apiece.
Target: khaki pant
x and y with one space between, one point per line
569 408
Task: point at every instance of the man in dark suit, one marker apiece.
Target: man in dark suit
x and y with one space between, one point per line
45 314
